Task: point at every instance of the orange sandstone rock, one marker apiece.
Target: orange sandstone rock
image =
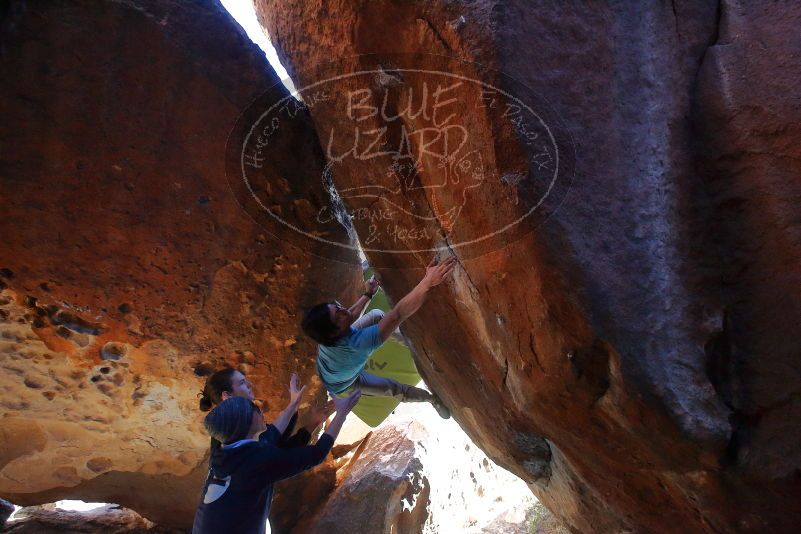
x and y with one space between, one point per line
129 270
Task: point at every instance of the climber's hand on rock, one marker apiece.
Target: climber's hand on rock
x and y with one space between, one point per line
343 405
295 390
372 285
436 271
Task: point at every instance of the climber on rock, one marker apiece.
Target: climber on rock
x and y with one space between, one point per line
238 491
227 383
347 340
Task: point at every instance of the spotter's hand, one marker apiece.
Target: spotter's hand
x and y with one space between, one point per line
295 391
343 405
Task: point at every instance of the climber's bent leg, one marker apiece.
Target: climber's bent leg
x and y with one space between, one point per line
386 387
368 319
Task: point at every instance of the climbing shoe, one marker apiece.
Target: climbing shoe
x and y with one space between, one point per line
441 409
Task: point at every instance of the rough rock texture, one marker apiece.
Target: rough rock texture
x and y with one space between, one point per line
109 519
635 353
420 474
383 491
128 270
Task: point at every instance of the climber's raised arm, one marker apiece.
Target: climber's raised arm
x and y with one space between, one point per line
370 288
405 308
346 341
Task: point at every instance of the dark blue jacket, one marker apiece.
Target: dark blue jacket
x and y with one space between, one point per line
238 491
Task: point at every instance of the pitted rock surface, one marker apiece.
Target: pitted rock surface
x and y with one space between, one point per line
128 270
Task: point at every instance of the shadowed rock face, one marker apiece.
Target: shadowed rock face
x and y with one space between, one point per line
129 271
631 354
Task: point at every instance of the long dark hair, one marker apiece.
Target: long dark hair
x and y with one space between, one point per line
216 384
317 325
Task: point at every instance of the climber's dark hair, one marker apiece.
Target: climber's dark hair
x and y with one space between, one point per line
317 325
217 383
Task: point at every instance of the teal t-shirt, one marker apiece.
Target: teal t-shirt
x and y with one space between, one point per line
340 365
